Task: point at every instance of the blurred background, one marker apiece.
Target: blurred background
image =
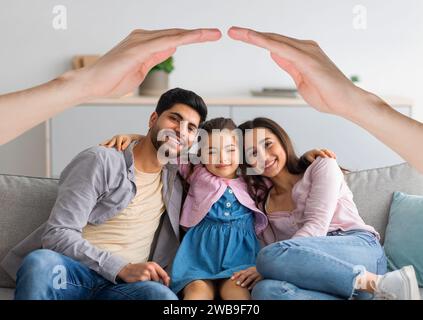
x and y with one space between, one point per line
379 42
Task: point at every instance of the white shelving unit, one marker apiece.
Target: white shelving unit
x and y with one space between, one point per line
84 126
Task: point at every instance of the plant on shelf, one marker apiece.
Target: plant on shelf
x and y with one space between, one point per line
157 80
166 66
355 78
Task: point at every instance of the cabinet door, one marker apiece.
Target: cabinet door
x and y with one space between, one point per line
356 149
82 127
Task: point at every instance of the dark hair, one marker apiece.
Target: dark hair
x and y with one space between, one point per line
177 95
295 165
218 124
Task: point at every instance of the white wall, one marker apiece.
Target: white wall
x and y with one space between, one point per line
387 55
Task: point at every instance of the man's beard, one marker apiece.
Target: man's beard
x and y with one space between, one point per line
153 137
158 143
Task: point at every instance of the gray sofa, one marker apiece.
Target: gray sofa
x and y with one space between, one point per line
25 203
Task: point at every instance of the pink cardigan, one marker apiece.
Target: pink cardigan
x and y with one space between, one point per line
323 202
206 189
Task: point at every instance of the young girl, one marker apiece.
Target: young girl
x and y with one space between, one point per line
222 220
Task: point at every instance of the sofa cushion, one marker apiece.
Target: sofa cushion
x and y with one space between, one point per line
403 240
373 189
7 294
25 204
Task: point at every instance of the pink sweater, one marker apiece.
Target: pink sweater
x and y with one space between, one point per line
323 203
206 189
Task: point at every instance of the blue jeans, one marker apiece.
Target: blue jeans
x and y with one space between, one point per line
318 268
48 275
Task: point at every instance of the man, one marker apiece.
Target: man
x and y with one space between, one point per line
114 228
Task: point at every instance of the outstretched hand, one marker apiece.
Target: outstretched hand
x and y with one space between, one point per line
318 79
125 66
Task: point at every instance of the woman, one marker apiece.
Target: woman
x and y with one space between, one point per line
318 247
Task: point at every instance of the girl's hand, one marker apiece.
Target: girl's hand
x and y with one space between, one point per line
121 141
247 278
324 153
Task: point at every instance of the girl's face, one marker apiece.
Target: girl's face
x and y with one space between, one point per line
264 152
222 158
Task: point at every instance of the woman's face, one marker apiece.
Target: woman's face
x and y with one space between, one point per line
264 152
222 157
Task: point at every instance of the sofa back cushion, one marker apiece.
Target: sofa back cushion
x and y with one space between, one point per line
373 190
25 204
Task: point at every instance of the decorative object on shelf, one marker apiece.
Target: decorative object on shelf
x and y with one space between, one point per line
276 92
157 80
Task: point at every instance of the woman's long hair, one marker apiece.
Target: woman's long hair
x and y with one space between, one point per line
256 183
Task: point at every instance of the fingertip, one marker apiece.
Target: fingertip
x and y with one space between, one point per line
213 35
235 32
217 33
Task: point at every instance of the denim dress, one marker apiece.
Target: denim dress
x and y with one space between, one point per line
224 242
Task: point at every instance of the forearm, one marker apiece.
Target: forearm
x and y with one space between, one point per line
25 109
399 132
311 229
71 244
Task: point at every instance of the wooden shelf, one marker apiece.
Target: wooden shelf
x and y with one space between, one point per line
230 101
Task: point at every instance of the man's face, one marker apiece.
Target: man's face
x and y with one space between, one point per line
176 127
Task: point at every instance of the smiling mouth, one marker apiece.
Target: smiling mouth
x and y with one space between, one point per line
267 166
222 165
